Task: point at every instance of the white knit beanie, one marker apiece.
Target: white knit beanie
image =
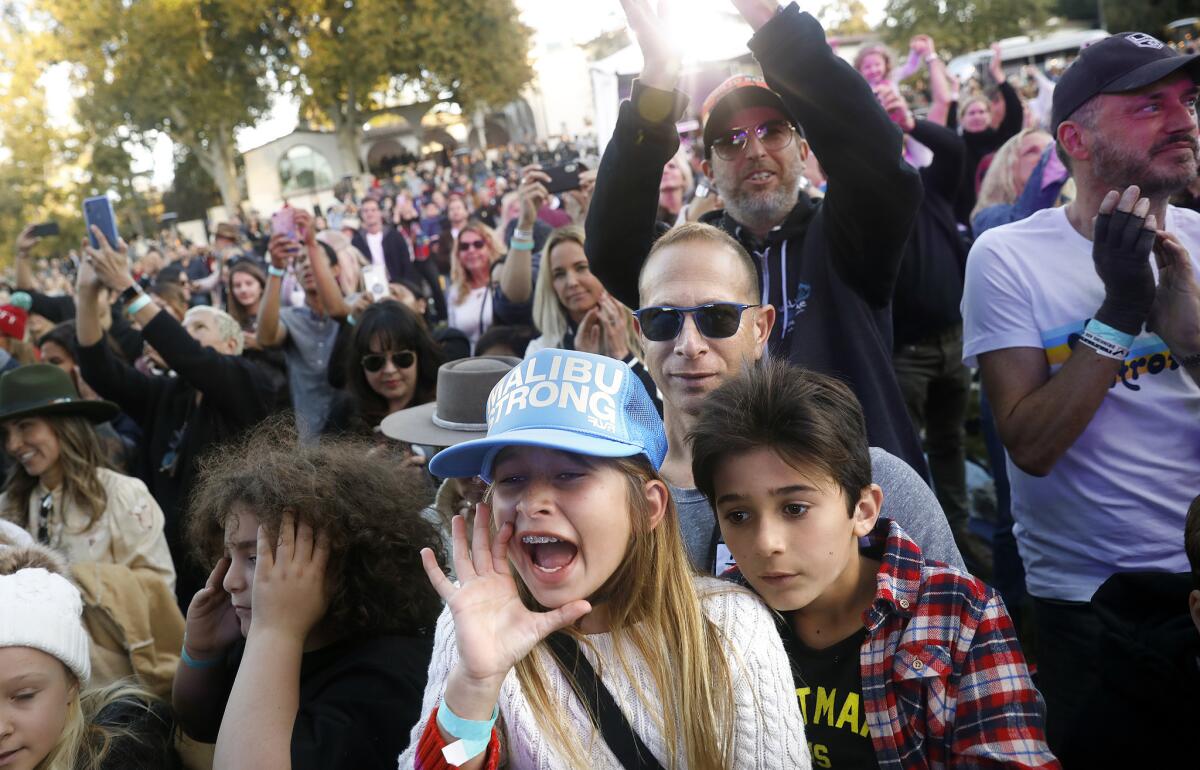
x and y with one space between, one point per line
44 611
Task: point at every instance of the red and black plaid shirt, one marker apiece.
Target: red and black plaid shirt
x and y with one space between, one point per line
944 680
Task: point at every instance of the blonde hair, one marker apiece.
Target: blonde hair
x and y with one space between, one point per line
1000 183
458 275
79 456
83 744
966 105
654 607
549 315
227 325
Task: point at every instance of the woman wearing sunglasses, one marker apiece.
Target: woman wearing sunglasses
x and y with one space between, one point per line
469 300
391 364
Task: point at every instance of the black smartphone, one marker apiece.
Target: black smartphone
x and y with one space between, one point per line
564 176
45 229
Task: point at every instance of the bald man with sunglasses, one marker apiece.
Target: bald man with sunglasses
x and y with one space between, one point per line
827 269
700 324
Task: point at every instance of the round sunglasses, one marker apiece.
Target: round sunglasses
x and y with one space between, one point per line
715 320
773 134
375 361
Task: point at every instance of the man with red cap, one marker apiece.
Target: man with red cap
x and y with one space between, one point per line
828 268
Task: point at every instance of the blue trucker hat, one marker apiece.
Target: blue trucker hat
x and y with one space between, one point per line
567 400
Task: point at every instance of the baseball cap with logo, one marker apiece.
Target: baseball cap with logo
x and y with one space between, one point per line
1117 64
566 400
734 94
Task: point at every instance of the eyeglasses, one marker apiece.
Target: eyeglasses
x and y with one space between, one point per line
773 134
715 320
402 360
468 245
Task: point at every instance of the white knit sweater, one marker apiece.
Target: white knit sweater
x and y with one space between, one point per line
769 731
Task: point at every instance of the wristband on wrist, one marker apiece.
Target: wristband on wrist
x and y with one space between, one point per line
191 662
473 735
525 244
278 272
1107 341
136 306
522 235
931 58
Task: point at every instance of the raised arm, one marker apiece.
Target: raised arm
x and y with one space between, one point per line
328 288
621 218
516 277
873 195
270 332
25 243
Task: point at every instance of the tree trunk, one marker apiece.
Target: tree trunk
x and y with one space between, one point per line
217 159
347 127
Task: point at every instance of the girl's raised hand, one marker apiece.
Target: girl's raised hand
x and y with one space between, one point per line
494 629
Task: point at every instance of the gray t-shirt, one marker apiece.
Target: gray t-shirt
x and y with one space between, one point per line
907 500
308 349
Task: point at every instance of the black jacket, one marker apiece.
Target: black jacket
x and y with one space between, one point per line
395 253
1146 705
930 285
238 394
830 268
980 144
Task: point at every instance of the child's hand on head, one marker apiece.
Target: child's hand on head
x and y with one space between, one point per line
493 627
290 591
211 625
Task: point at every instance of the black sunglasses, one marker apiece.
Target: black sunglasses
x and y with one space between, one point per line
468 245
402 360
773 134
716 320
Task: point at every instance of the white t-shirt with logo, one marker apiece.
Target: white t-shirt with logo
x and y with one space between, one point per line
1117 500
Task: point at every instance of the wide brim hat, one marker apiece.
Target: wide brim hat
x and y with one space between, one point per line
45 390
565 400
459 414
229 231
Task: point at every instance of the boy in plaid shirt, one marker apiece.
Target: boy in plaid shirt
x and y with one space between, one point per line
898 662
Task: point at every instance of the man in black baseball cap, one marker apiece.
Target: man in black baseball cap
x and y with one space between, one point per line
1082 346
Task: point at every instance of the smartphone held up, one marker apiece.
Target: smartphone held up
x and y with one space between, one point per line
98 212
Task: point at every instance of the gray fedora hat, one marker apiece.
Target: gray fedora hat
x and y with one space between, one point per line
459 414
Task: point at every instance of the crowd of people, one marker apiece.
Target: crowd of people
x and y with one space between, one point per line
663 469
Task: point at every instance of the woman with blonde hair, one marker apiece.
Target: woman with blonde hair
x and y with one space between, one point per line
1012 167
576 595
573 311
48 721
59 485
469 301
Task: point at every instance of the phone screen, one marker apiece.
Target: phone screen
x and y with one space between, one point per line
283 222
375 281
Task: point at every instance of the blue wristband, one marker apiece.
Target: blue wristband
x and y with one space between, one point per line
191 662
1107 341
137 305
278 272
474 735
524 245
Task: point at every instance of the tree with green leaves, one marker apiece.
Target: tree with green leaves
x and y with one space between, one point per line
194 71
351 61
960 26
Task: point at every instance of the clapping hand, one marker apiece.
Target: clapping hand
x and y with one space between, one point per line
493 627
1175 315
1121 243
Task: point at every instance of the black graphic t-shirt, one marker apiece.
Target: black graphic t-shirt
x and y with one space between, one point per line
829 686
